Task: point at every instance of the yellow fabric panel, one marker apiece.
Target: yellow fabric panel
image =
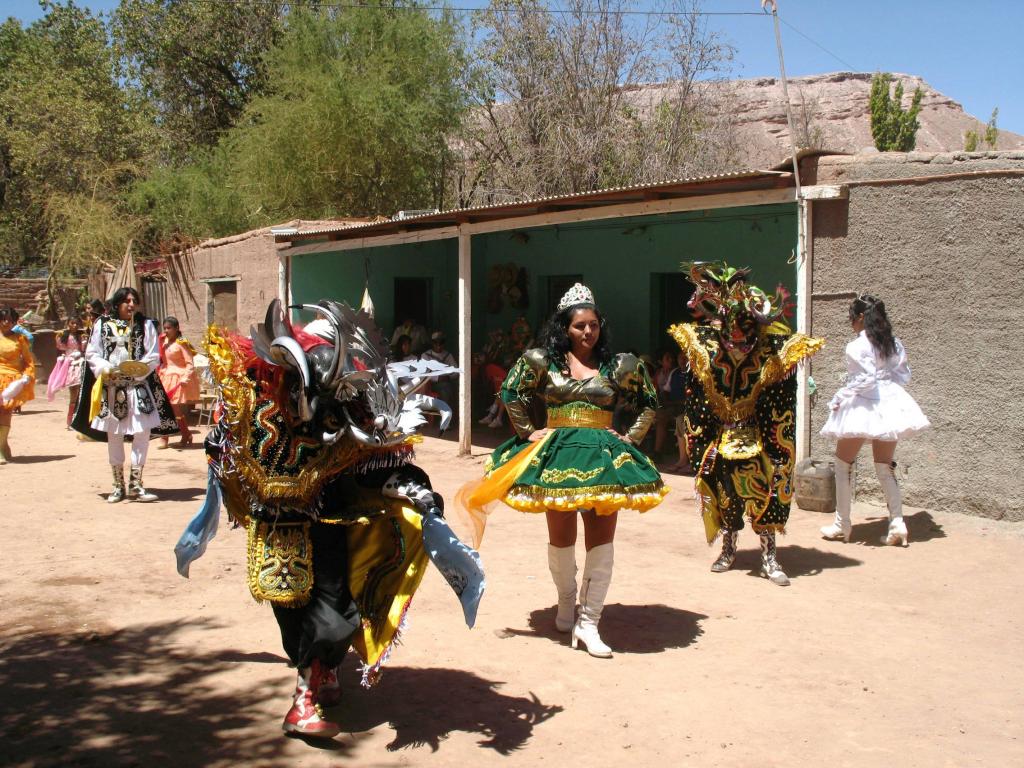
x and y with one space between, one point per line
386 564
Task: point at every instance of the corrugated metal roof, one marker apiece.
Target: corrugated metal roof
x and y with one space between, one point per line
609 195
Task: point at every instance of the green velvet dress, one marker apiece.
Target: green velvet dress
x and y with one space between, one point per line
582 465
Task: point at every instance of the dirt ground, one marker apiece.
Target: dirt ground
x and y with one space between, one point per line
874 656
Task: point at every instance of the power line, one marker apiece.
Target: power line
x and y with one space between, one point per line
475 9
814 42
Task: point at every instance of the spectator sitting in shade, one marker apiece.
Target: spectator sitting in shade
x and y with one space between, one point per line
417 335
444 386
403 349
670 383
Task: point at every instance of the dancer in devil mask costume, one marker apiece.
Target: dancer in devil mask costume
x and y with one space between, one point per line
740 412
313 457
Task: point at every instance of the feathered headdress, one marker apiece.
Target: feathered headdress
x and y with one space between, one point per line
721 291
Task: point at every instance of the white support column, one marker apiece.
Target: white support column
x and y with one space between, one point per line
804 287
283 292
465 343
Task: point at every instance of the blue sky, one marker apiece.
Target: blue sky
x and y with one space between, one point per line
972 52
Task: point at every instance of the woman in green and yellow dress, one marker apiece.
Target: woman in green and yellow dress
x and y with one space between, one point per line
577 461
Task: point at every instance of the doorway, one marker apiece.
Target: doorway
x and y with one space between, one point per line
671 292
557 286
414 298
222 304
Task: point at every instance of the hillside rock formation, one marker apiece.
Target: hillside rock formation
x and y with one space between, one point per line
832 110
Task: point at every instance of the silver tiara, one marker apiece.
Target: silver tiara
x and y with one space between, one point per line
575 296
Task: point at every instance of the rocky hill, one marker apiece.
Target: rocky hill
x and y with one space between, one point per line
833 109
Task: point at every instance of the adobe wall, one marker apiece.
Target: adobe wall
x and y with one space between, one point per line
947 257
252 258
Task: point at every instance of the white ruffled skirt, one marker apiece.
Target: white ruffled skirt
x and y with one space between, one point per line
893 416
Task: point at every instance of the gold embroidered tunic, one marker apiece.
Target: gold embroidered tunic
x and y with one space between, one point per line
740 418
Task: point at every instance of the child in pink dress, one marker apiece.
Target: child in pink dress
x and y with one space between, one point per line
67 372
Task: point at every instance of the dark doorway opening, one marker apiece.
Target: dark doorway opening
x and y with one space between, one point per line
671 292
557 285
414 299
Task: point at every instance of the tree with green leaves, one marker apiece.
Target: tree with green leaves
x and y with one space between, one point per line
991 131
72 135
893 128
199 63
355 120
990 134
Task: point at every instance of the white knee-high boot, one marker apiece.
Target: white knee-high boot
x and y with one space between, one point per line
842 525
770 567
597 577
897 534
562 562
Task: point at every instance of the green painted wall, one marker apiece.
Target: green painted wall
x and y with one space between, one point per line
616 258
340 275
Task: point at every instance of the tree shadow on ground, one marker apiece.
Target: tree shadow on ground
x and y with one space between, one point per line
652 628
425 706
795 560
921 526
134 697
42 459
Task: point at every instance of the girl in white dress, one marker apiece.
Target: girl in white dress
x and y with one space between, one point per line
872 406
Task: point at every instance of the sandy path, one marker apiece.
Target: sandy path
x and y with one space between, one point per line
874 656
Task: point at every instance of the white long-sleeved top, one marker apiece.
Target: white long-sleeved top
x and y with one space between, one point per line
866 369
135 421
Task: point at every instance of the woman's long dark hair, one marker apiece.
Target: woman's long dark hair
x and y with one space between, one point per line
120 296
876 323
554 336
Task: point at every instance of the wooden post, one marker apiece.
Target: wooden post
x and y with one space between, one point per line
465 343
283 292
804 287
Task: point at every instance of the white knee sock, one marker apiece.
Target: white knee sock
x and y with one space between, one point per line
115 450
140 448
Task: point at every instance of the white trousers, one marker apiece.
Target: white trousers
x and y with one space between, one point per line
140 447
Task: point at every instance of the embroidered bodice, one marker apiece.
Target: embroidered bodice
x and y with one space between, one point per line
623 380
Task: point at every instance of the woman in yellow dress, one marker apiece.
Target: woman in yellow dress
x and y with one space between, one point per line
17 377
178 375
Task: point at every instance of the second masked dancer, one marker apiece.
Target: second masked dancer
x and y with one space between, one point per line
740 417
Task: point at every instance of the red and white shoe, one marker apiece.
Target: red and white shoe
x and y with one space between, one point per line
328 692
306 718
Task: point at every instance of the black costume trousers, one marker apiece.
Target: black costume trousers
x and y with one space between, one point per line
323 628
